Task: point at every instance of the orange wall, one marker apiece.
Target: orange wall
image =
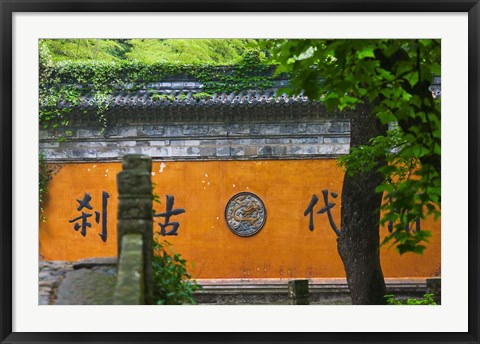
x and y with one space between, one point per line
284 248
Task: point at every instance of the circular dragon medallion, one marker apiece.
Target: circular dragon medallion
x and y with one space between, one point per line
245 214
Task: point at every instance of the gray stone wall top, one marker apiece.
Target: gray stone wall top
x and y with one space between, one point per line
275 136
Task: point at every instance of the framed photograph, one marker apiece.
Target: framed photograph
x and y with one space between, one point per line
243 126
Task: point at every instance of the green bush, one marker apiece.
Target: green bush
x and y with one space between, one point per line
426 300
171 282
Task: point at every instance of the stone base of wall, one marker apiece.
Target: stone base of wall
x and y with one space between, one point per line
328 291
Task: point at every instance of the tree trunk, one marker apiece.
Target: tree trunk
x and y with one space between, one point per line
359 241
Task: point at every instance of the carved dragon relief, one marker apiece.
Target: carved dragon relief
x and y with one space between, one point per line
245 214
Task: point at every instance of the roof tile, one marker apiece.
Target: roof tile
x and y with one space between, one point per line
181 94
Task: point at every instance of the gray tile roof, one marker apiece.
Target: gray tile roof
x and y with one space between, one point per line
186 98
178 95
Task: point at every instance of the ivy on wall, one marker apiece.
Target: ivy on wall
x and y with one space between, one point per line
45 175
66 81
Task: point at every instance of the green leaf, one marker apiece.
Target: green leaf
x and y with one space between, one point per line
347 101
386 117
366 52
419 151
412 78
385 187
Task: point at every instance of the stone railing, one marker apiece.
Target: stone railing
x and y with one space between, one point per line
130 287
135 232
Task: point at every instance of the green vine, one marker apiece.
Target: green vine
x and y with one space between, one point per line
45 174
65 82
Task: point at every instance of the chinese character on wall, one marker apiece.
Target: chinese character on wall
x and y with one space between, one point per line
326 209
167 214
82 221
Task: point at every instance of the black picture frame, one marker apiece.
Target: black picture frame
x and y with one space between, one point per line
9 7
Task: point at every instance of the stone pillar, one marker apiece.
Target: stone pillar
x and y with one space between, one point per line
135 210
434 286
298 292
130 287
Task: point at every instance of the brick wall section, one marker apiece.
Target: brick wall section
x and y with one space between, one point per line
279 136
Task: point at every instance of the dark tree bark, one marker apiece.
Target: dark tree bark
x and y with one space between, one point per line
359 240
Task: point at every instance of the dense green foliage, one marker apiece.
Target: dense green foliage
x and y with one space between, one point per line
206 51
394 76
86 49
59 81
209 51
426 300
51 93
172 284
251 72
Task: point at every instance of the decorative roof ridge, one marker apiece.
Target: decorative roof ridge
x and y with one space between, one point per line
174 85
145 99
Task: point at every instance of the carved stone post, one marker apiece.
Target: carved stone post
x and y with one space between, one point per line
135 210
298 292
